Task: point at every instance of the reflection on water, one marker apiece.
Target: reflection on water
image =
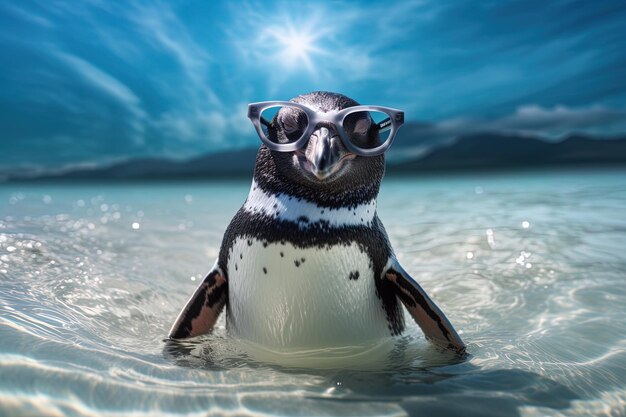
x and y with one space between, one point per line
529 268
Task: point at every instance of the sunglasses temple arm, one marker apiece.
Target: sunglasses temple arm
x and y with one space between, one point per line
264 121
384 125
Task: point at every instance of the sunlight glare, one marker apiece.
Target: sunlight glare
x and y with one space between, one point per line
295 46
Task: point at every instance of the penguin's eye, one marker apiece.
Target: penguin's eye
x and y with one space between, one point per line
363 130
284 124
290 123
362 126
293 122
357 124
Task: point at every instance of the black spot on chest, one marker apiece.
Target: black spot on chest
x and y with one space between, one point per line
370 239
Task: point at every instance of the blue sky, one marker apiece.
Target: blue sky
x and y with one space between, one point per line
95 81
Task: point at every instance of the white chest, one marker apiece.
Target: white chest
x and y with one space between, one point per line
284 296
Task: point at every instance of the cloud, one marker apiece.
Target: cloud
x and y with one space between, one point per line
558 119
489 58
162 26
100 79
530 120
178 75
323 45
554 121
113 88
30 17
222 129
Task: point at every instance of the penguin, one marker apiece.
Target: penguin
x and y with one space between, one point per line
306 262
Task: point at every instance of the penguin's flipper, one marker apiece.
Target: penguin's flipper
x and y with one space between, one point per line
424 311
203 308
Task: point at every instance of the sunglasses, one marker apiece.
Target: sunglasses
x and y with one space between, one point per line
364 130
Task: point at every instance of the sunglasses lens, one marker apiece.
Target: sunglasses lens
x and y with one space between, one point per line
367 129
283 124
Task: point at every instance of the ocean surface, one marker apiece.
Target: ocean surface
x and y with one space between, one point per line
530 268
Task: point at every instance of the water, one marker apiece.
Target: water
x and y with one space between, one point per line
530 268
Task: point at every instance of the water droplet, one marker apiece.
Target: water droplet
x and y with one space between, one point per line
525 224
528 265
104 207
189 199
135 225
11 248
47 199
478 190
80 203
469 255
490 238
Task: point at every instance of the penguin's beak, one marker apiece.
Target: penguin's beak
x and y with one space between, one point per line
325 153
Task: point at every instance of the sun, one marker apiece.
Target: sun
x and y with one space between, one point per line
295 48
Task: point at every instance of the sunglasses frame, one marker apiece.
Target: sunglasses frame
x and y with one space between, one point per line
394 122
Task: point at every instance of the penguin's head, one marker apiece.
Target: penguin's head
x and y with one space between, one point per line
323 163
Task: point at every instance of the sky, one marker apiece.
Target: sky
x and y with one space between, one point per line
91 82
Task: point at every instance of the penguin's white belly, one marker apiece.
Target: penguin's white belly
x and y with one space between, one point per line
284 296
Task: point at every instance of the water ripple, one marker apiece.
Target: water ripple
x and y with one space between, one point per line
530 270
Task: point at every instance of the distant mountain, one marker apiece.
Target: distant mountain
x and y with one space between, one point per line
216 165
492 151
472 152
